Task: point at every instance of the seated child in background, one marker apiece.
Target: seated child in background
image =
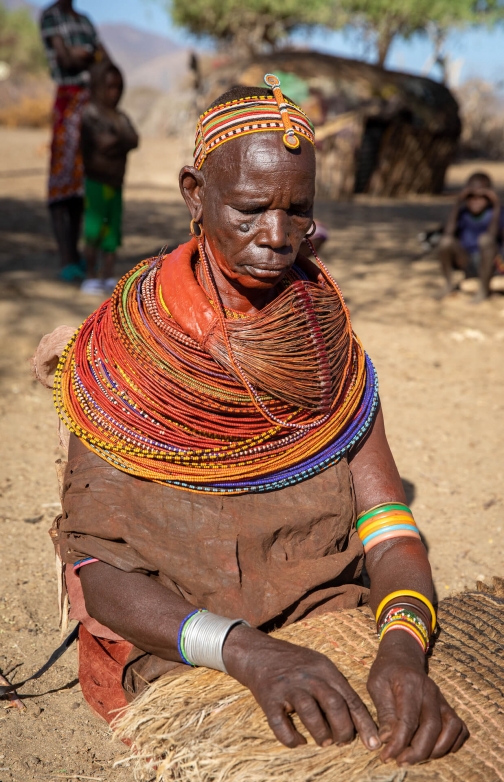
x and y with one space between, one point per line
473 234
107 136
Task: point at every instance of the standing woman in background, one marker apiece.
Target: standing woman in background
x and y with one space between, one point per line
72 45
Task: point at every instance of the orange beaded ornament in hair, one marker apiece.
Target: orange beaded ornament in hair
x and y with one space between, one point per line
290 139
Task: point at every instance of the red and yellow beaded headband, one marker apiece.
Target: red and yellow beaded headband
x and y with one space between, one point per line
257 114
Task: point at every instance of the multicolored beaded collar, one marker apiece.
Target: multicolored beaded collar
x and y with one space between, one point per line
197 406
258 114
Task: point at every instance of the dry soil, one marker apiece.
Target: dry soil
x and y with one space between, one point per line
441 373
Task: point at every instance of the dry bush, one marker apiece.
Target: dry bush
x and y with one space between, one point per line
28 112
26 100
482 112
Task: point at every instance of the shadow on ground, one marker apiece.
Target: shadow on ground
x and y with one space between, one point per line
27 244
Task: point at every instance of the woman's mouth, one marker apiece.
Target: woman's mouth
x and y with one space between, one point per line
268 271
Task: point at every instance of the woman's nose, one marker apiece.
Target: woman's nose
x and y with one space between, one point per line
275 231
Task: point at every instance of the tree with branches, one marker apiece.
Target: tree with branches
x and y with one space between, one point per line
258 25
380 22
249 25
383 21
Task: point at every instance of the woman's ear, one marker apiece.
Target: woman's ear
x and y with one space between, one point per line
192 185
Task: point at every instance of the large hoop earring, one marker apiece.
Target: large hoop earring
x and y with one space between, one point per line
312 230
192 231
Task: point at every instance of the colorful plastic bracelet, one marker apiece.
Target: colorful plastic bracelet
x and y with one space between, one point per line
398 610
387 529
401 616
384 507
389 536
396 623
385 521
397 613
408 593
181 632
407 629
380 518
402 604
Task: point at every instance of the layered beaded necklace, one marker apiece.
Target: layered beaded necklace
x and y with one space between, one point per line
255 404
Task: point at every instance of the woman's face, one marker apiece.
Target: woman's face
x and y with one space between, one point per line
254 199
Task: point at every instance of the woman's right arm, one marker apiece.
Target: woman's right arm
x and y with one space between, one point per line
282 677
136 607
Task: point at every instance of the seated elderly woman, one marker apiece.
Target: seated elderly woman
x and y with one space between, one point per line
228 467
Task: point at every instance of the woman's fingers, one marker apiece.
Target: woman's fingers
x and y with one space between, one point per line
300 680
337 715
314 720
360 716
453 734
424 740
283 727
417 723
399 711
462 738
328 715
384 701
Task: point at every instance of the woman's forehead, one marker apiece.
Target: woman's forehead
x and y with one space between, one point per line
260 155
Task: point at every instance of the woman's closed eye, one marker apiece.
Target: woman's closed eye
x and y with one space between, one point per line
253 210
300 210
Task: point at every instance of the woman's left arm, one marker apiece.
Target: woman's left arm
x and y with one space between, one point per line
414 718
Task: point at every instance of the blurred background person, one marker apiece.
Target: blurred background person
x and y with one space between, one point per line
107 135
473 235
71 45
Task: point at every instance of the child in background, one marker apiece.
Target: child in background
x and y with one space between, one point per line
473 235
107 136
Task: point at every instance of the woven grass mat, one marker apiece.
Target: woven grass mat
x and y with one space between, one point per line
205 727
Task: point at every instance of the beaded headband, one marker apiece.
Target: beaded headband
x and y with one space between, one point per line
257 114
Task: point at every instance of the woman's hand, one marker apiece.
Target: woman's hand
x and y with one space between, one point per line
415 721
285 678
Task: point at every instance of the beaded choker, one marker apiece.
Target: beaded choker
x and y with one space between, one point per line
160 384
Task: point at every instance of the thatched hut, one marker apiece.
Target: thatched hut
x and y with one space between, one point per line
379 132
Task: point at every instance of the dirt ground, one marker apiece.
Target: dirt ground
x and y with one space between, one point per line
441 373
